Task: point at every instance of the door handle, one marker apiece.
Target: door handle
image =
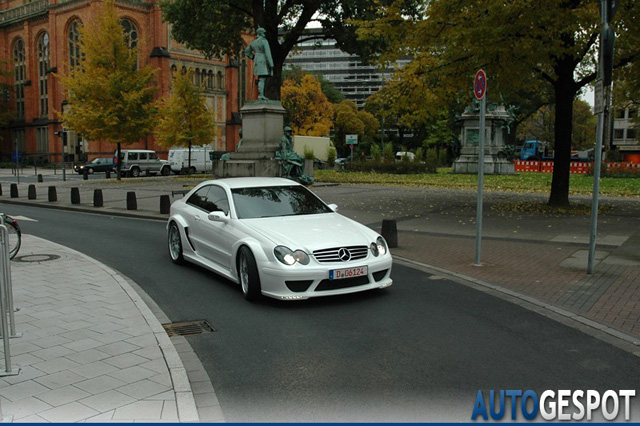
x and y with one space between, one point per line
197 218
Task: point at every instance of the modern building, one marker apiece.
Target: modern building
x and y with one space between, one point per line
348 73
40 38
626 135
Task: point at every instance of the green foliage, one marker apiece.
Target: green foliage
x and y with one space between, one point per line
331 156
419 154
388 154
110 99
348 121
308 153
443 159
185 119
376 152
432 157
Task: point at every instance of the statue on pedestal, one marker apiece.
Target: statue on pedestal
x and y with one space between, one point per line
292 164
260 52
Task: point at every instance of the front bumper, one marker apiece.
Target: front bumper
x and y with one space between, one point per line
302 282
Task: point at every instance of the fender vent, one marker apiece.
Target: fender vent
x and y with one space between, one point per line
188 328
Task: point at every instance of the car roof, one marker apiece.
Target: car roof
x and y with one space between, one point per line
252 182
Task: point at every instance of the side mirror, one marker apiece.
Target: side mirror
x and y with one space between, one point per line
333 207
218 217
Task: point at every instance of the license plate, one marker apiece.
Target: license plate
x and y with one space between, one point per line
339 274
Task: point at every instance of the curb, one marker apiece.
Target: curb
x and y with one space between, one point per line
619 339
185 401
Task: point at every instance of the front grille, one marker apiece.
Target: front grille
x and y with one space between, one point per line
332 254
326 285
298 286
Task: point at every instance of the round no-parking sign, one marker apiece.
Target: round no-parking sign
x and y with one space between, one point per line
480 84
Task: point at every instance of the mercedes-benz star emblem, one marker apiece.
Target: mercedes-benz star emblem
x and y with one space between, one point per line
344 255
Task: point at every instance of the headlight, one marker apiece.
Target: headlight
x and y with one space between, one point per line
374 249
382 246
290 257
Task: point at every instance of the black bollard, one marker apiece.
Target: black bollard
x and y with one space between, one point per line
132 203
53 195
0 189
107 174
14 190
97 198
40 180
75 195
165 204
85 176
32 192
390 232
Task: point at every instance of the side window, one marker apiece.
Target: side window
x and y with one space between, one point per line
153 156
217 198
210 199
132 156
143 155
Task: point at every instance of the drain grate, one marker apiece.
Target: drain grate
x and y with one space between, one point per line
188 328
36 258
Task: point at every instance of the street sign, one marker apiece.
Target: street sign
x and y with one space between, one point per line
598 97
351 139
480 84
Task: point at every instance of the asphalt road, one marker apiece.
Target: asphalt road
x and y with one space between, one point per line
418 351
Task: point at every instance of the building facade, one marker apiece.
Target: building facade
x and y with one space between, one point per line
348 73
625 134
41 38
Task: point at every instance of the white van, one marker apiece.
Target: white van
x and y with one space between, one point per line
200 161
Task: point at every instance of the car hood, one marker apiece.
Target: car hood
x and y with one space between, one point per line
312 232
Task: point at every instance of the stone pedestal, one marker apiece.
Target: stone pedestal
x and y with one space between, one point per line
496 125
262 128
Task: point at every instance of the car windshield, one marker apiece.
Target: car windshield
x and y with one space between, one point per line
276 201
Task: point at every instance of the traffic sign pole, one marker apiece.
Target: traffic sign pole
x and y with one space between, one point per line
480 90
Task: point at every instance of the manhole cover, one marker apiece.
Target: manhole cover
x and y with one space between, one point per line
36 258
188 328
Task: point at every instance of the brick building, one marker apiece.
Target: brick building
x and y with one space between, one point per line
39 38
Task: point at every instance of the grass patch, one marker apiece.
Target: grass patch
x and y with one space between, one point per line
523 182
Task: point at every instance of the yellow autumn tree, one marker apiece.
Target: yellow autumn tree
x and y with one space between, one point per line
184 119
109 97
309 112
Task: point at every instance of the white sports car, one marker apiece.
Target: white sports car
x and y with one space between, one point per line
276 238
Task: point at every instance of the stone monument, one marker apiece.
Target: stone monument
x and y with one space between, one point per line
262 123
497 124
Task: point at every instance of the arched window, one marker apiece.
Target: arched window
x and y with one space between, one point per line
73 41
196 77
130 33
20 75
242 76
220 81
43 66
210 80
174 70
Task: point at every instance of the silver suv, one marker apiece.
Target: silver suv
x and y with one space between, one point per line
136 161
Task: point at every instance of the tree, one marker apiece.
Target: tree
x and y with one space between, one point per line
216 27
350 121
184 118
547 47
540 126
309 112
109 97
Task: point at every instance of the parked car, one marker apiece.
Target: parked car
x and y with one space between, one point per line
100 164
137 161
276 238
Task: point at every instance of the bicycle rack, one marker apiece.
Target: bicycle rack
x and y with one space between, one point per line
7 319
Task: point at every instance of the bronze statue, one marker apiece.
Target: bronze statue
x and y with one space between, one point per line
260 52
292 164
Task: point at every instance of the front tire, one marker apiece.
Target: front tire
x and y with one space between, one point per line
166 171
135 172
248 274
15 238
175 244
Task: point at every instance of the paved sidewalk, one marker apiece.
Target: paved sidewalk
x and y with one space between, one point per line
90 348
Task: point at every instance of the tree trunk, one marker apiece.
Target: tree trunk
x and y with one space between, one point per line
565 92
189 158
273 84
